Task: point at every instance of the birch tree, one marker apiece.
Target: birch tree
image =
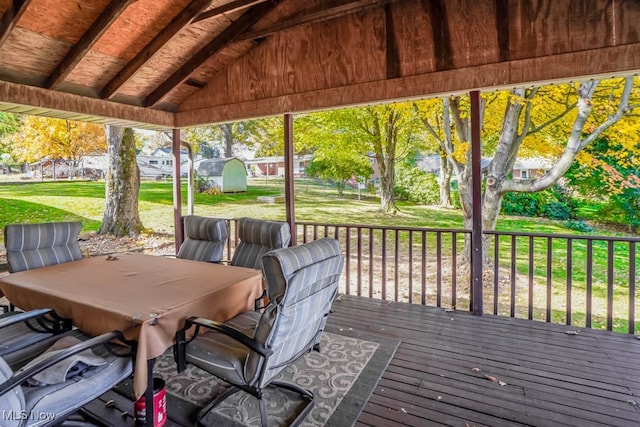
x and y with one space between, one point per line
571 118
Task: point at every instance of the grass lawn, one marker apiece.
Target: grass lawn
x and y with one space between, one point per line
84 201
317 203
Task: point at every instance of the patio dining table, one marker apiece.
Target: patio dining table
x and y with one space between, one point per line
146 297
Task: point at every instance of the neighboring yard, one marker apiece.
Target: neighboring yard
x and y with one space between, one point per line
84 201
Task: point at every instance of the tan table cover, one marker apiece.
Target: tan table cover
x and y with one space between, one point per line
146 297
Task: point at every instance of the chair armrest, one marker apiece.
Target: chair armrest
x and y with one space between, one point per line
52 323
21 376
22 317
260 302
231 333
180 347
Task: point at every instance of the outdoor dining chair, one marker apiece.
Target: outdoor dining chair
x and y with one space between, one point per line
205 238
57 383
23 334
32 246
251 349
257 237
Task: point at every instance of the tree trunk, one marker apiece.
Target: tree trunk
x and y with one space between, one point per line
445 181
227 133
387 201
122 184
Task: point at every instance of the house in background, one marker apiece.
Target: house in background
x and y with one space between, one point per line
274 166
227 175
523 169
531 168
166 152
155 166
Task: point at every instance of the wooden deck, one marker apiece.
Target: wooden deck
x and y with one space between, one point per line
456 369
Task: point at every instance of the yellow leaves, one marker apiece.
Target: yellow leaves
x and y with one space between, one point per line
41 137
460 152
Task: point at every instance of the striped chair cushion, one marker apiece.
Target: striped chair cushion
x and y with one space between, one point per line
302 282
32 246
257 238
205 238
12 400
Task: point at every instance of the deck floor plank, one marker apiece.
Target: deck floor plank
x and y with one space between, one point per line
439 372
442 372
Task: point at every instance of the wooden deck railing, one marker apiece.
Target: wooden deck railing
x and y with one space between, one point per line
578 280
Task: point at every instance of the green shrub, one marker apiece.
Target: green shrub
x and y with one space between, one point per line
414 185
578 225
551 203
455 199
556 210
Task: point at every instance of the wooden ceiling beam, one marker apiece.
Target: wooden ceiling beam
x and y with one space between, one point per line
229 7
11 18
229 35
88 39
319 16
184 18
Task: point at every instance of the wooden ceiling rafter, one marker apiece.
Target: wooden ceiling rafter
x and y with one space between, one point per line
86 42
183 19
11 17
233 6
226 37
353 6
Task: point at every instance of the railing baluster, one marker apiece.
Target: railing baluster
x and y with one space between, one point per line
549 276
438 269
359 261
396 265
405 279
371 263
632 288
610 285
454 272
569 274
384 264
531 267
411 266
589 280
424 269
347 250
512 308
496 272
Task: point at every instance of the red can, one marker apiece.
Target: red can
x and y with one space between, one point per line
159 405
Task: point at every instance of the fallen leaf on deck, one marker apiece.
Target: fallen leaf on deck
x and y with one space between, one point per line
495 380
571 332
476 369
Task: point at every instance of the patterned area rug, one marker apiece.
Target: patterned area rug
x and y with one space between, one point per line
342 377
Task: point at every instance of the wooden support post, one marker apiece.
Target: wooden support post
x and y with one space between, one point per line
177 194
476 182
288 176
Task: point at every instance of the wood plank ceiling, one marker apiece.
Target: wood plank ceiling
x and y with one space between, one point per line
179 63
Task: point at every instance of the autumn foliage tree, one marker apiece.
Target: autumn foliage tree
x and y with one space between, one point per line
42 137
556 122
389 133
